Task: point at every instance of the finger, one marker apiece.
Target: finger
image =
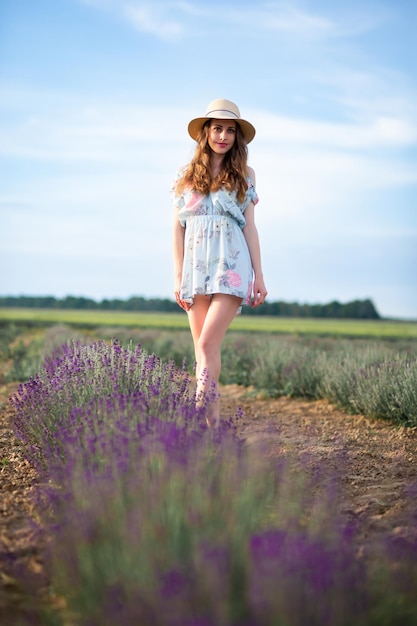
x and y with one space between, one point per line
185 305
258 299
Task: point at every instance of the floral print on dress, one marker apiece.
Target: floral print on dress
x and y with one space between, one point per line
216 255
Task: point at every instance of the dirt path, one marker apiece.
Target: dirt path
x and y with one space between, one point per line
376 462
19 549
20 552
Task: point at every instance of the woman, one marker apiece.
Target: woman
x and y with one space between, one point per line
217 260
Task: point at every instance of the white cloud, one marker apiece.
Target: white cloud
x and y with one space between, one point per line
282 17
98 4
82 132
337 22
298 183
150 18
111 148
367 92
76 129
382 131
170 20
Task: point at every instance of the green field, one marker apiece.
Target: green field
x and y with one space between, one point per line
383 329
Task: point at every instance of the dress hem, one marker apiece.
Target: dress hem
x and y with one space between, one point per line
244 301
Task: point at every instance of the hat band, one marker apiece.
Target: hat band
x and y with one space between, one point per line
222 111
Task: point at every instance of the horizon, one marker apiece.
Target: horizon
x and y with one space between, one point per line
96 95
172 299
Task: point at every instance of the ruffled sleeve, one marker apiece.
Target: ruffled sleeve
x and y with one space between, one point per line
177 200
251 196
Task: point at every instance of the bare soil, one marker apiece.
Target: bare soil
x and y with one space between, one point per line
376 462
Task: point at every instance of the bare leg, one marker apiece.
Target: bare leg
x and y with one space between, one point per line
196 318
209 322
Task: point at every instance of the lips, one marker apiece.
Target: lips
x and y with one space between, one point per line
222 145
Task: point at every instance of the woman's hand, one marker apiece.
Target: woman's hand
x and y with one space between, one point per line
259 292
182 303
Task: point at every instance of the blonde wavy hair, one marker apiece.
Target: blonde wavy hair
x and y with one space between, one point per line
233 172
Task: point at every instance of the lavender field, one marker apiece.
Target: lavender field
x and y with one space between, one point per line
150 517
373 377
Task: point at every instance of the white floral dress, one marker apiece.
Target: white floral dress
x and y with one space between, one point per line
216 255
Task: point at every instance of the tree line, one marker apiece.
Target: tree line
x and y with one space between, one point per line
357 309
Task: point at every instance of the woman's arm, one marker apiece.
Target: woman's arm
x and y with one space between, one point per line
252 239
178 250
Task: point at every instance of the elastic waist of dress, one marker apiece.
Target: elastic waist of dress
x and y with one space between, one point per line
212 217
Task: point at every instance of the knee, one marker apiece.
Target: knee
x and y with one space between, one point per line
207 349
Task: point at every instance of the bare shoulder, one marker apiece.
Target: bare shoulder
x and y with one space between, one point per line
251 174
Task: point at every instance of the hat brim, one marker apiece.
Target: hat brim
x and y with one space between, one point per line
196 125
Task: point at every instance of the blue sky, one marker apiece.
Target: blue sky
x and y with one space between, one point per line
95 98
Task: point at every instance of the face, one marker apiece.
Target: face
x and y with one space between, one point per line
222 135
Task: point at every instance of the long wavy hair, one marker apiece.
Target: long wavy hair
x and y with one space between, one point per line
233 171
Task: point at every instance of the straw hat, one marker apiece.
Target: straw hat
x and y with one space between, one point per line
221 109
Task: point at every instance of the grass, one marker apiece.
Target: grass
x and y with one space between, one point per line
378 329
